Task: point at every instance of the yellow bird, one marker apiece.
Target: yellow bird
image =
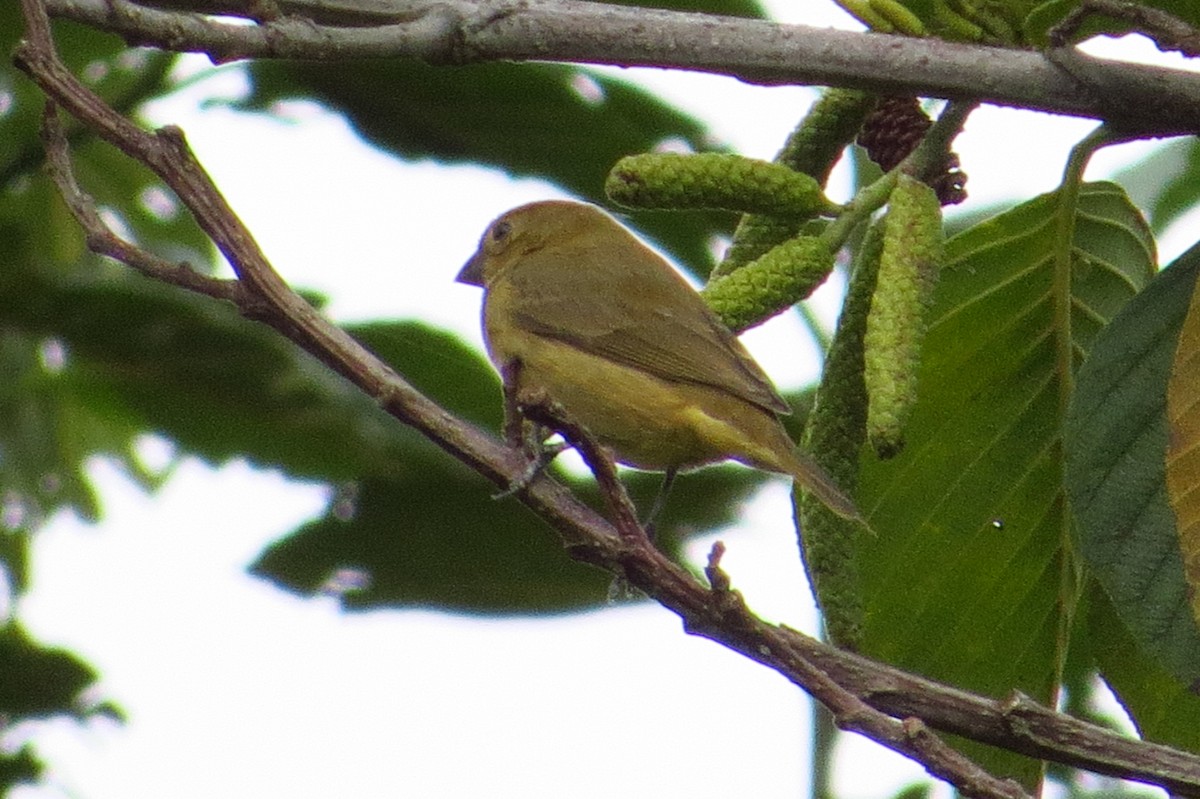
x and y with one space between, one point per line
576 309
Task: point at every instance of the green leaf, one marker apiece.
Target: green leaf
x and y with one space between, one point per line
1162 707
44 438
40 682
122 76
433 544
136 199
138 355
439 365
1183 447
47 431
915 790
971 578
33 220
1116 442
562 123
429 541
21 767
222 387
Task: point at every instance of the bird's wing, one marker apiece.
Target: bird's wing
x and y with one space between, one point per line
639 313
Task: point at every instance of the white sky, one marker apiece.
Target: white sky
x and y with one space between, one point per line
237 690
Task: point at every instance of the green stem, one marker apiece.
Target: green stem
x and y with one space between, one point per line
1064 248
859 210
1064 350
821 335
825 735
928 157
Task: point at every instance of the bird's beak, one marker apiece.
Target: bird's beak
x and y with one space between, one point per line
472 272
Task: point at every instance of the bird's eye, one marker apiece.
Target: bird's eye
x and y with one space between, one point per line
500 231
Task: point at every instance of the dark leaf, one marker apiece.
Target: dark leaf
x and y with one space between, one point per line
444 543
1162 707
1116 444
39 682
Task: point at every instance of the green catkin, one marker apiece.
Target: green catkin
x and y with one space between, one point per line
677 181
867 15
912 251
770 285
899 17
755 235
816 144
991 23
834 435
813 148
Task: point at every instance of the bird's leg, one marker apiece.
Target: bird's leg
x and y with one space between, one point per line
540 455
521 431
515 423
660 502
543 415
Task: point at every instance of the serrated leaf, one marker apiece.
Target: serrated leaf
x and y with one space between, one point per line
1116 438
971 579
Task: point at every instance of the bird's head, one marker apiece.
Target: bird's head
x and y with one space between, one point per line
527 229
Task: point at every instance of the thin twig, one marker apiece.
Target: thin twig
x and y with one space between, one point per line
909 736
1166 30
100 237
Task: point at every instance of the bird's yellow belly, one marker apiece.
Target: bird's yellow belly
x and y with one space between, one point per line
646 421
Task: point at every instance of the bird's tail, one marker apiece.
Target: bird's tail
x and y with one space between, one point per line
817 482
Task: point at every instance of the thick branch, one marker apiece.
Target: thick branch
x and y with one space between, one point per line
1154 100
856 689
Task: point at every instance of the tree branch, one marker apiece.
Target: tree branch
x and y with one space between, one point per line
1150 100
892 707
